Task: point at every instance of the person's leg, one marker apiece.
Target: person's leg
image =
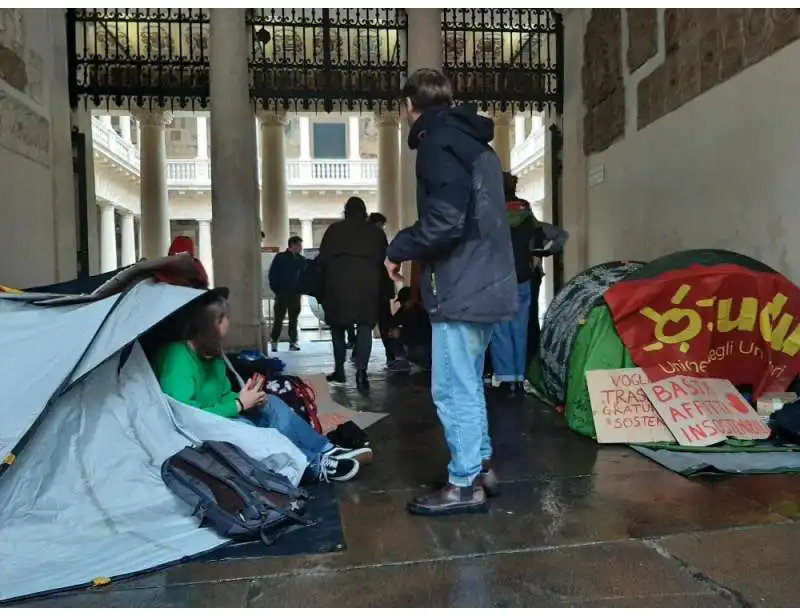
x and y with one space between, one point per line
351 336
457 389
502 352
293 307
339 353
384 324
520 331
278 316
363 348
326 461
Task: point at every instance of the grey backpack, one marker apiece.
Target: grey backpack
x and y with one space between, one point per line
234 494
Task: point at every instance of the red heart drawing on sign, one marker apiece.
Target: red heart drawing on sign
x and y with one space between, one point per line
738 404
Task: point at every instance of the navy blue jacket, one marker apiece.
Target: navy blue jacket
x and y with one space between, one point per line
284 273
462 238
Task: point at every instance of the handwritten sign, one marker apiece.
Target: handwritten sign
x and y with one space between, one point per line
702 412
621 409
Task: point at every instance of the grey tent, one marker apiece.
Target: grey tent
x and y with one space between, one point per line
84 429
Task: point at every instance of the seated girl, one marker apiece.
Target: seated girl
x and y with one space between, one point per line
192 371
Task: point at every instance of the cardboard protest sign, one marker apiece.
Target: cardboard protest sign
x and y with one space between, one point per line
622 411
702 412
331 414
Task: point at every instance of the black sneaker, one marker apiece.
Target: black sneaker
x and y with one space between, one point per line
274 347
337 376
363 455
294 347
333 468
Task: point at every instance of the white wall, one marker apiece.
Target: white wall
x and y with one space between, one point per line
37 215
723 171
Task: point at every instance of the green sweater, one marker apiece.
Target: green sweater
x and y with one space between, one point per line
202 383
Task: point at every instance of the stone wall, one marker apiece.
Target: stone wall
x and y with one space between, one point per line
602 78
701 48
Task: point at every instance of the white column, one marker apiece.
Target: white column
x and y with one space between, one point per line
354 138
536 122
106 120
204 248
423 49
304 123
235 233
519 130
137 131
202 137
307 233
128 239
502 139
389 170
125 127
108 238
153 185
274 208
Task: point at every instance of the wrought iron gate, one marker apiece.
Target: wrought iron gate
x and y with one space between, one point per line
313 59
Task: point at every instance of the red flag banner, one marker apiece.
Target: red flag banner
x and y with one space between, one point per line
723 321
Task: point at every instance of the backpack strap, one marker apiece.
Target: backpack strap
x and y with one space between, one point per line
228 363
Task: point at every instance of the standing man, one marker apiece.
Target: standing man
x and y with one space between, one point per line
284 274
467 282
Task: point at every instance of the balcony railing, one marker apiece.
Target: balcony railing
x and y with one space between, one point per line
529 151
121 151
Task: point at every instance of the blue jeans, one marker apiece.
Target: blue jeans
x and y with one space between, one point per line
509 346
457 389
278 415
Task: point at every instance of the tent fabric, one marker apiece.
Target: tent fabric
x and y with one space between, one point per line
690 463
85 487
597 347
701 256
564 315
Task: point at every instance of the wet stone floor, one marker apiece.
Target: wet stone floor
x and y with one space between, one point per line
577 525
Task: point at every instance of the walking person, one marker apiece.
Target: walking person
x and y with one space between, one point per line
284 274
467 279
351 257
385 301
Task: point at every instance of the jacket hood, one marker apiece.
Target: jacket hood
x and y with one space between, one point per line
464 119
181 244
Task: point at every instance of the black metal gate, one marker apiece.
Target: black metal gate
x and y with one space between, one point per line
313 59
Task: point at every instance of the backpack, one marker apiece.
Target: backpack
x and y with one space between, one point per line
233 493
299 395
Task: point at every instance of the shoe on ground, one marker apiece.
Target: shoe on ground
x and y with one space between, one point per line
362 382
333 468
274 347
364 455
337 376
398 365
294 347
488 479
451 500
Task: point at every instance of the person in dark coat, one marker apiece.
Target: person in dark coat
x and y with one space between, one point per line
284 276
384 303
467 281
351 257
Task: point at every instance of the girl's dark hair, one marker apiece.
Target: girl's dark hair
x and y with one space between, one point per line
203 326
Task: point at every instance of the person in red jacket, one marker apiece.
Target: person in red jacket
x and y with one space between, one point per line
184 244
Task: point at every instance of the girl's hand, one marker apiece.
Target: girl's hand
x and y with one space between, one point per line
251 396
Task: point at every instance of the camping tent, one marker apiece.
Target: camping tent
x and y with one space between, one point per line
84 429
582 326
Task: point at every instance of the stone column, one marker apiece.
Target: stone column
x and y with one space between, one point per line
307 232
202 137
128 243
274 208
108 238
125 127
502 139
304 123
389 171
235 233
106 120
153 185
519 130
354 138
204 248
423 49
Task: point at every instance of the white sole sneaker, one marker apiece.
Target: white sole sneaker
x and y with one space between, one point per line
363 455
